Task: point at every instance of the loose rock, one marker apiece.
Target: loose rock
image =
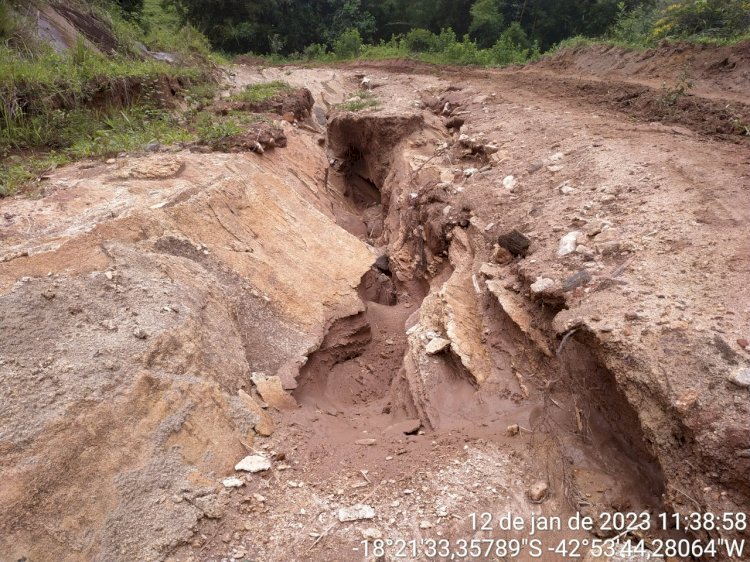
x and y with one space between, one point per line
538 491
541 284
371 533
232 482
509 183
741 377
515 242
356 513
254 463
568 243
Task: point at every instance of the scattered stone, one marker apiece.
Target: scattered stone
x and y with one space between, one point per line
742 342
538 491
744 453
371 533
567 189
49 295
436 345
541 284
383 264
407 427
535 166
264 425
272 392
111 161
741 377
140 333
515 242
555 168
509 183
576 280
254 463
454 123
568 243
425 525
356 512
258 498
366 441
468 172
153 147
232 482
513 430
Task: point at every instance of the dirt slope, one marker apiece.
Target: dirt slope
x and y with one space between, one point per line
148 304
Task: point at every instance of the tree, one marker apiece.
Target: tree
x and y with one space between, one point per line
486 22
350 15
131 7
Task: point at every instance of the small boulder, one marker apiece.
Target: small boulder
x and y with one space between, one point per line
568 243
541 284
515 242
741 377
538 491
254 463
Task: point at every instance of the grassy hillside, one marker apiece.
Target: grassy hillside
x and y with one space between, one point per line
103 94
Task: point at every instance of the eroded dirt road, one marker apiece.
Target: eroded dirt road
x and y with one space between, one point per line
424 310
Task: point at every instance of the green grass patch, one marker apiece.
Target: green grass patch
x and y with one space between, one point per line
361 100
259 93
18 171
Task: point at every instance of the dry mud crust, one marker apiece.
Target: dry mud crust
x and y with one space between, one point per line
709 116
179 280
713 69
160 286
707 109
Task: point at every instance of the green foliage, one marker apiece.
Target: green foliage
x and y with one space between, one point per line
486 22
130 7
259 93
348 45
514 47
634 27
210 129
709 18
671 95
420 41
17 171
7 20
315 51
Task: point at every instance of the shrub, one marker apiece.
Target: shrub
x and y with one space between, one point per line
316 51
709 18
513 47
348 45
634 27
420 41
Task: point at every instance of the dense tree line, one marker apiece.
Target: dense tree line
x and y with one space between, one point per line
288 26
